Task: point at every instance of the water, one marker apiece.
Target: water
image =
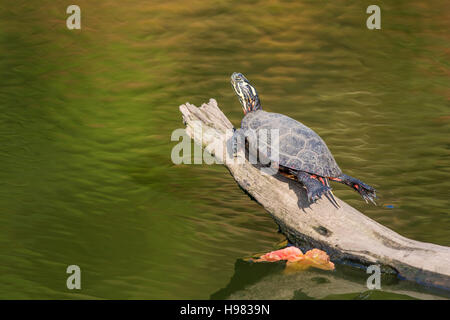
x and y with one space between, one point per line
86 117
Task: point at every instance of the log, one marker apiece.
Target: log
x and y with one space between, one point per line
347 235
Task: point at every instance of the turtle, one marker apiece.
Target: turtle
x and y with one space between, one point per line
302 154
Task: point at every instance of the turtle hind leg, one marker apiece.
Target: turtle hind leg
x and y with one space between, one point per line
367 192
315 186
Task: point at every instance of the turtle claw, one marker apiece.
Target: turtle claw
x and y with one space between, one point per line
330 197
316 187
367 192
368 195
317 193
324 190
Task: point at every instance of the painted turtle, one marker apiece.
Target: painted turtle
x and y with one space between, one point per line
302 153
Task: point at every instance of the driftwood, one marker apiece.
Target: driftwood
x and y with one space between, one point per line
346 234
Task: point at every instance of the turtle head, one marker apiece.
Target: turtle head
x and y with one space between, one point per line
246 93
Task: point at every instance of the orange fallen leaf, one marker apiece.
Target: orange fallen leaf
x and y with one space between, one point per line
288 253
296 260
313 258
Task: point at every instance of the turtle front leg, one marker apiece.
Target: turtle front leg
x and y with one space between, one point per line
315 188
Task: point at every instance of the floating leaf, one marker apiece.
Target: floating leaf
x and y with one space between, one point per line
288 253
313 258
296 260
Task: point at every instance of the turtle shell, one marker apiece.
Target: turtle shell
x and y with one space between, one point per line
300 148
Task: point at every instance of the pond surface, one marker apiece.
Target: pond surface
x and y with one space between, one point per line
86 118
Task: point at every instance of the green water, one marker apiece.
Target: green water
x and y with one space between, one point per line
86 117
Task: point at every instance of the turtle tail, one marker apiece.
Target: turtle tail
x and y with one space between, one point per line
367 192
